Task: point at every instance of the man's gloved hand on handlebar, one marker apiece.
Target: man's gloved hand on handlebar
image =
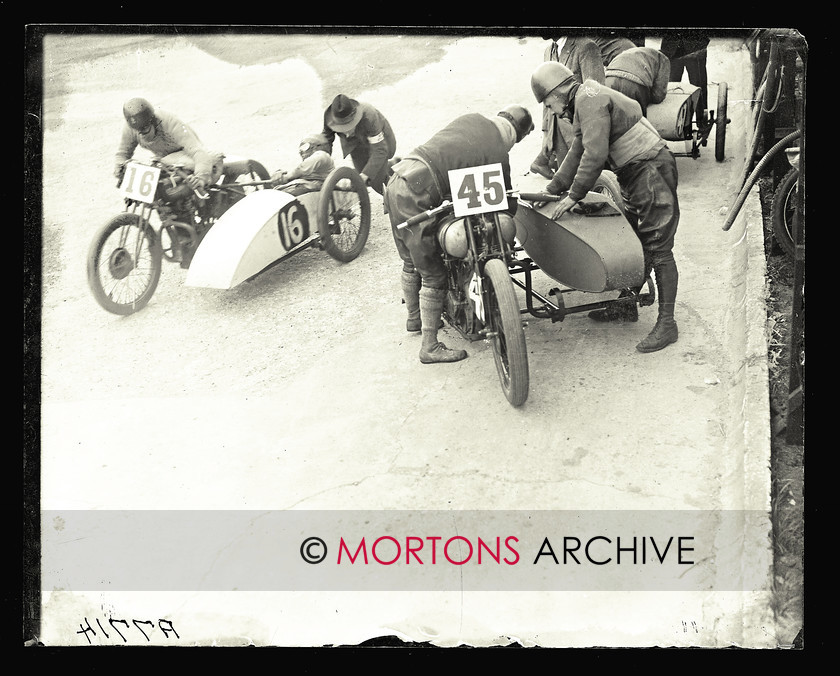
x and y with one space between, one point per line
196 182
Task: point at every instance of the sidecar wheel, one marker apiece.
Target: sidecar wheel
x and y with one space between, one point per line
344 214
607 185
783 211
508 338
123 264
720 121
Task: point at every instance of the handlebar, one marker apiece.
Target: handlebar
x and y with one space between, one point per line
448 206
185 176
539 196
426 215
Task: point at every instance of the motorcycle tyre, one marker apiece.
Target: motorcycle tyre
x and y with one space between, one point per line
338 245
721 121
607 185
509 350
782 211
139 301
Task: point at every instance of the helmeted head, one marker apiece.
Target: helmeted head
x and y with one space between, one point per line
139 114
312 143
548 77
520 118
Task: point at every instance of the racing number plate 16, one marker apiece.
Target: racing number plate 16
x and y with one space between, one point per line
476 190
140 182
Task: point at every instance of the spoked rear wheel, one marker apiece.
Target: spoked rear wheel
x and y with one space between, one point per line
507 336
123 265
344 214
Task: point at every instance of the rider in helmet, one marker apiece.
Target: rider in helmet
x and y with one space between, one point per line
609 128
310 174
421 182
168 139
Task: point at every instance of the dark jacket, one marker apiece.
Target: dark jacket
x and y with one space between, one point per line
372 135
471 140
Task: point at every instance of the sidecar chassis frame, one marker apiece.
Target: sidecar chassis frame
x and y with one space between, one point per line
557 309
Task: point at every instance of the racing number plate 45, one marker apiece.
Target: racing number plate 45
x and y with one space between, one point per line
476 190
140 182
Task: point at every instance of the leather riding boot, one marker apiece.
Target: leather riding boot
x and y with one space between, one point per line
432 351
623 311
411 297
540 166
665 330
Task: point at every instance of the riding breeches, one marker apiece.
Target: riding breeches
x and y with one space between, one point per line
417 245
649 190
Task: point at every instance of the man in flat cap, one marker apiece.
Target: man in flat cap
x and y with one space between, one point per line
365 134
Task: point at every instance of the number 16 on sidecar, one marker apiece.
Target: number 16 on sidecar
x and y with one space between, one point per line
269 226
225 236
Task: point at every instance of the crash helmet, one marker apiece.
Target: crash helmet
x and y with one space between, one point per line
547 77
311 143
520 118
139 114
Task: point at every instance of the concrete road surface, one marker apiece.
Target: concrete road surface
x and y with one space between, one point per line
299 395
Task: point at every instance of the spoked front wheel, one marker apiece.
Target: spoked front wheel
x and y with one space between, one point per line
344 214
123 265
506 334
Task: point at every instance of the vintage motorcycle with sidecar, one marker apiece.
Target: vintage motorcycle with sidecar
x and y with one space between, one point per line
225 236
592 249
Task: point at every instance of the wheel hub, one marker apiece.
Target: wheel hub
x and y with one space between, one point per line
120 263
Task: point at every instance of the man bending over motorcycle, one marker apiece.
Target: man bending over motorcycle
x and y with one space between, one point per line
310 174
365 135
421 182
610 127
168 139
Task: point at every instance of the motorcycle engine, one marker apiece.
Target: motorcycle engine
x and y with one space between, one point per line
458 306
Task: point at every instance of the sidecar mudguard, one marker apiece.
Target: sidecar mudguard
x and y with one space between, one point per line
594 251
253 234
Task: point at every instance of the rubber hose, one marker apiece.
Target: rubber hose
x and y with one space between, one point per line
763 93
756 173
758 123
